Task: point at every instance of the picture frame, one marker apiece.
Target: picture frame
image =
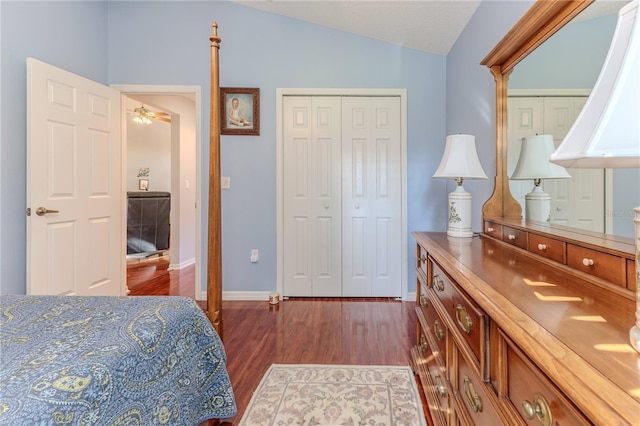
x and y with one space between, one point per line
143 184
239 111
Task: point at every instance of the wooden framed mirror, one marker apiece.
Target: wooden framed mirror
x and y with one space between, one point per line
543 20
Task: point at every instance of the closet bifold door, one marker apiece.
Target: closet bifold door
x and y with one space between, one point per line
311 196
371 196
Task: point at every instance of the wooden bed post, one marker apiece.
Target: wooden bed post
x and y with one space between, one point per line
214 247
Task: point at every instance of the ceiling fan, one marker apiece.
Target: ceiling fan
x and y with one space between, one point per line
144 115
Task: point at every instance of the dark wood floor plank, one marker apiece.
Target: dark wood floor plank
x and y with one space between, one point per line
357 331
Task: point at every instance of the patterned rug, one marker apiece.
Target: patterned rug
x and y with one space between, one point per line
313 395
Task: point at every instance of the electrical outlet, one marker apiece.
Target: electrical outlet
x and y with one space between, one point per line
254 255
225 182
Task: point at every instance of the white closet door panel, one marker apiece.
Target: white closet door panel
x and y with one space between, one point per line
578 201
559 115
371 194
526 118
325 174
386 217
298 276
312 196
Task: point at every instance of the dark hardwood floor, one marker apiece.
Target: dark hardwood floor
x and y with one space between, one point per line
371 331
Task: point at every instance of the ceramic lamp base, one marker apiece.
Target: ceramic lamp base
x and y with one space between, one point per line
537 205
460 213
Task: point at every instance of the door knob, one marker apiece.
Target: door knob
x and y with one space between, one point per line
41 211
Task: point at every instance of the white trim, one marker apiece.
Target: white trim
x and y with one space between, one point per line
547 92
280 94
246 295
129 89
175 267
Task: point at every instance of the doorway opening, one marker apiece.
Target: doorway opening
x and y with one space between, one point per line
162 158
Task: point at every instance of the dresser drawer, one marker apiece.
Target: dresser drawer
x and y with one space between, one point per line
437 327
631 275
442 287
474 394
532 397
606 266
515 237
466 319
493 229
433 380
548 247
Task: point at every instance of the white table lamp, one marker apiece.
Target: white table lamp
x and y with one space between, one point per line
606 133
533 163
460 161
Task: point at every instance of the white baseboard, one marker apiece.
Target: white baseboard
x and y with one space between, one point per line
174 266
264 296
241 295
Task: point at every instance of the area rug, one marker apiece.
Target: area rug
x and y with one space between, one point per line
313 395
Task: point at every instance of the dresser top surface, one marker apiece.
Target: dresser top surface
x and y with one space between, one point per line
557 317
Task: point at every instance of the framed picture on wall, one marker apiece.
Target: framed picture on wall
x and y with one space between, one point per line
239 111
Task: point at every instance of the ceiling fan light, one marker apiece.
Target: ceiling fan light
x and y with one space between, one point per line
142 119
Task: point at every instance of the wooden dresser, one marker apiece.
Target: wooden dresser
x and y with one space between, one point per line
523 331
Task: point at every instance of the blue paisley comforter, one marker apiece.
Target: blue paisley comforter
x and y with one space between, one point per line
70 360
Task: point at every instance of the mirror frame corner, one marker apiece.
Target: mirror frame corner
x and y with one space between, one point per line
539 23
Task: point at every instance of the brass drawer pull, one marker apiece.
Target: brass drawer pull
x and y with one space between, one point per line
423 344
440 389
438 284
464 320
424 300
422 259
542 246
540 409
472 397
588 262
511 237
438 331
490 229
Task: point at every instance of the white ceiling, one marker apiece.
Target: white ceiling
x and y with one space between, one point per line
428 25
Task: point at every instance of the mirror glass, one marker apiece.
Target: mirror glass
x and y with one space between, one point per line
546 92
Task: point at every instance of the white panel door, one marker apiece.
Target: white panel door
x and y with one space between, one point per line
311 196
371 197
74 170
577 202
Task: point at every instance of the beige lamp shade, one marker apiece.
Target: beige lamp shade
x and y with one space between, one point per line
460 159
533 162
606 133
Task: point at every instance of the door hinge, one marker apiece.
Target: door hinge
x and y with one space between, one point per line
28 211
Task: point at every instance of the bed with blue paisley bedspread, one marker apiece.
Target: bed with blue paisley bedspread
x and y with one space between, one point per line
72 360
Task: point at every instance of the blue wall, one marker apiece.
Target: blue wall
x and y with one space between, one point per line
167 43
70 35
471 89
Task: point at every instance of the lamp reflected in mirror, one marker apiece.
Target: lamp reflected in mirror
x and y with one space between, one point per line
533 164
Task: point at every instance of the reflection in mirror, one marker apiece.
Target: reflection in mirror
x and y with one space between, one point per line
546 92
